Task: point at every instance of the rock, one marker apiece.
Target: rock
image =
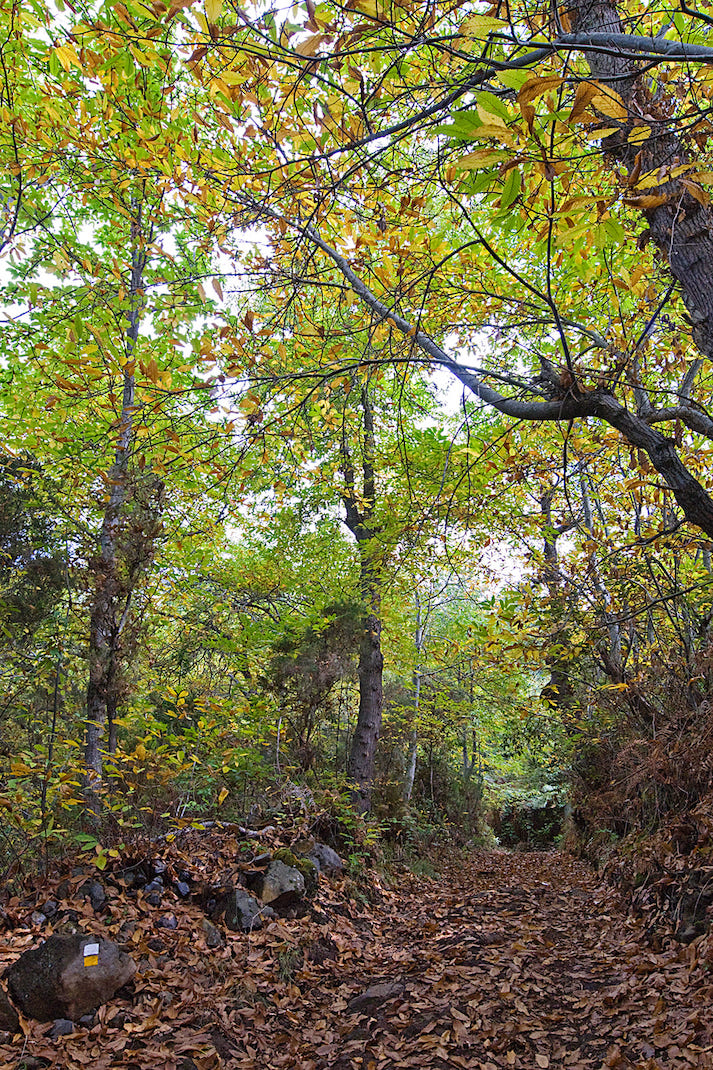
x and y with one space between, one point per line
241 912
306 866
281 885
373 996
52 981
87 1020
94 892
326 860
38 918
127 930
62 1027
183 889
168 921
154 899
213 935
9 1021
156 885
262 860
50 908
64 889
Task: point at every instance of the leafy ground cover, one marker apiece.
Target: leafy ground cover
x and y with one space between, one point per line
504 960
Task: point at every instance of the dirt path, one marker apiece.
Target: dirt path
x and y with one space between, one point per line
506 961
511 961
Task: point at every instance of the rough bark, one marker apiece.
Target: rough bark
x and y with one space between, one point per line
111 600
559 689
360 521
412 757
681 227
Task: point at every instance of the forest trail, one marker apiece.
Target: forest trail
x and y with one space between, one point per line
507 960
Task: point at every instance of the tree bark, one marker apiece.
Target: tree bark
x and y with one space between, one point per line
681 226
111 600
413 735
360 521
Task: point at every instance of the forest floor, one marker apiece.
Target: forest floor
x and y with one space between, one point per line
504 960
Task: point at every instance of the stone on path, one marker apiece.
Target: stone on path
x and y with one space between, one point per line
57 979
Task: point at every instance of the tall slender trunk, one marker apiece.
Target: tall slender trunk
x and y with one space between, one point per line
360 521
559 689
413 735
111 602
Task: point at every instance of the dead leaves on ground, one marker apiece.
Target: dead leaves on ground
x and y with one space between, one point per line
507 961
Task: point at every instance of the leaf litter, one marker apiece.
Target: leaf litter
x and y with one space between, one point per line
505 960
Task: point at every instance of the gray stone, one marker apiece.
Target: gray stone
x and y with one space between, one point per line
168 921
183 889
372 997
38 918
9 1021
281 885
326 860
62 1027
50 908
94 892
213 935
241 912
52 981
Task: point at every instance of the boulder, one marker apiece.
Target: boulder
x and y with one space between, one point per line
281 885
59 980
9 1022
241 912
94 892
213 935
326 860
372 997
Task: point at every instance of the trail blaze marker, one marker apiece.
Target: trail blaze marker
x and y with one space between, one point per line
91 954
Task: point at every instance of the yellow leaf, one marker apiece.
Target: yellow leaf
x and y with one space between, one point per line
535 87
586 92
222 796
481 158
234 77
605 131
639 134
609 103
702 176
497 129
481 25
369 7
646 200
310 46
213 9
67 56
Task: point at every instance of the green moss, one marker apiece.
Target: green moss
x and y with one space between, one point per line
306 867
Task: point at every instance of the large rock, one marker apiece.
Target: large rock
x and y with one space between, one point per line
9 1022
281 884
326 860
57 980
241 912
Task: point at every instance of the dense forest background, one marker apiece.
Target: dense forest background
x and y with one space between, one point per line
355 444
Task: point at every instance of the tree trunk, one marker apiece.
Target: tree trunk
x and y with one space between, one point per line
559 689
680 226
359 519
413 737
111 599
